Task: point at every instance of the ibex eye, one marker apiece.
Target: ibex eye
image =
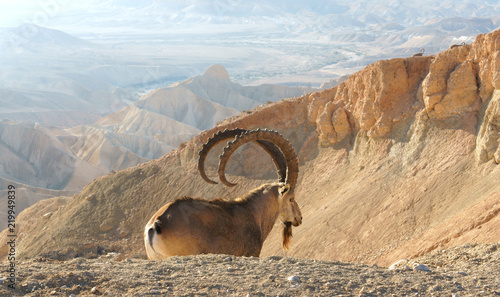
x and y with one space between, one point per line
291 199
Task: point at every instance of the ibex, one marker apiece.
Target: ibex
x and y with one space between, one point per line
190 226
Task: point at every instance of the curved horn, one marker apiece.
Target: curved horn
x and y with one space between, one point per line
277 156
285 161
211 142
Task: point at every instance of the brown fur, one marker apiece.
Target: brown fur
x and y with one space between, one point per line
239 201
245 199
287 235
239 227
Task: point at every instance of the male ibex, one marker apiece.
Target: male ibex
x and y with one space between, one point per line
189 226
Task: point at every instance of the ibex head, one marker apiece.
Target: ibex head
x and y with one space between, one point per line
289 214
283 156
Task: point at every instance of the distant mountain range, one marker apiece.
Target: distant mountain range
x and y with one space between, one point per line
277 16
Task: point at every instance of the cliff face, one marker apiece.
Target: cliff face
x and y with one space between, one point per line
417 146
400 159
453 84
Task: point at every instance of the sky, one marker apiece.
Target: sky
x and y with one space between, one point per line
12 12
40 12
57 13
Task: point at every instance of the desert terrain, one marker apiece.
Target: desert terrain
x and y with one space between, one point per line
400 161
470 270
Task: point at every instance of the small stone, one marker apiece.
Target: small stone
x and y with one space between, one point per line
123 233
95 291
105 227
87 245
330 285
47 215
397 264
294 279
421 267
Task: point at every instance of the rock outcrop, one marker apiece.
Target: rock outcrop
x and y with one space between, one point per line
488 144
398 160
370 101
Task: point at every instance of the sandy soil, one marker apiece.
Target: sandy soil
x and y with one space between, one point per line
470 270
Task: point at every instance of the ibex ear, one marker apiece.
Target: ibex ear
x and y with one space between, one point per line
284 189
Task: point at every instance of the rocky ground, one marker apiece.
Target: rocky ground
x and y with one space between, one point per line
470 270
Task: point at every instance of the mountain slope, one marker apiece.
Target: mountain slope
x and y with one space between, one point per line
398 160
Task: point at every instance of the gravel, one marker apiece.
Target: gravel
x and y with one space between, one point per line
470 270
